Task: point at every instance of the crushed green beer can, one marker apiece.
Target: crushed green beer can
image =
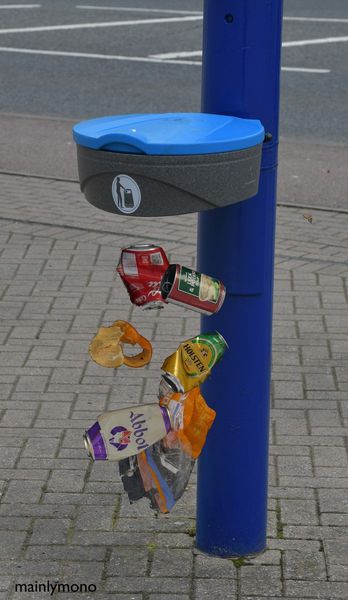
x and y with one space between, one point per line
191 364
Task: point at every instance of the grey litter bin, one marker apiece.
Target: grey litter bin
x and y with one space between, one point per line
167 164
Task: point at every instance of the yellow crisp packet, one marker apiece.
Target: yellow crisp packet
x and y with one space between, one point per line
106 348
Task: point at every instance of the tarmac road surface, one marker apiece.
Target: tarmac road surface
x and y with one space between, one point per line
63 63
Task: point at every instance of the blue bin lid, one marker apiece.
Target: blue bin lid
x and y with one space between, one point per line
169 134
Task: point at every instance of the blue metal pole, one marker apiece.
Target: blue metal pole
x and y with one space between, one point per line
241 67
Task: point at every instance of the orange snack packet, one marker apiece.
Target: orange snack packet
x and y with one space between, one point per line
192 419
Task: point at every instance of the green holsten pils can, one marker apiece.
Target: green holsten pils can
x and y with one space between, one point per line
191 289
191 364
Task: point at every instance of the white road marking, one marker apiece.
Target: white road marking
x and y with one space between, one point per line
330 40
316 19
148 59
106 24
305 70
172 55
169 55
9 6
177 54
150 10
100 56
196 12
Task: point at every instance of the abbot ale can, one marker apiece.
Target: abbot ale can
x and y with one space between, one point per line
186 287
141 268
121 433
191 364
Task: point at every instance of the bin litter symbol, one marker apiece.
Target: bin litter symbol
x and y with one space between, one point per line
126 194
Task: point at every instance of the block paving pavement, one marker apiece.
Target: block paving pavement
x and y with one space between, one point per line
65 519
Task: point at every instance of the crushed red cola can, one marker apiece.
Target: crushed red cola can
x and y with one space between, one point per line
141 268
193 290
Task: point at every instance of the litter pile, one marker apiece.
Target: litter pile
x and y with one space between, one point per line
157 444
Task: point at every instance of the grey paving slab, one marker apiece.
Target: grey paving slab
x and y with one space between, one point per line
64 519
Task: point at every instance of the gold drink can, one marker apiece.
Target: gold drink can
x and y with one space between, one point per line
191 364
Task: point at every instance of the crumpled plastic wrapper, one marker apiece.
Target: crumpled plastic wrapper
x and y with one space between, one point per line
161 473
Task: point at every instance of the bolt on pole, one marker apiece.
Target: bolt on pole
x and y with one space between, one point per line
241 69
